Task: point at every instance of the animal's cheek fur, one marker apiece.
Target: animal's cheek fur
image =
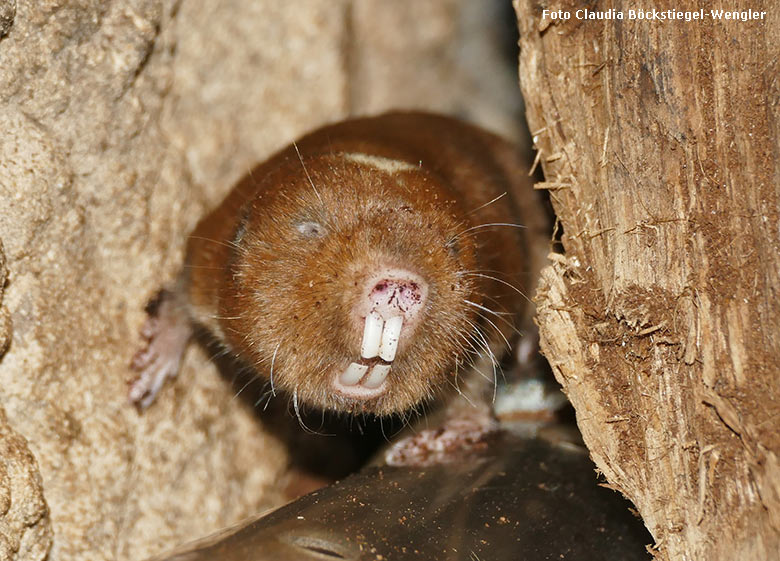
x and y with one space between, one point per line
308 338
311 353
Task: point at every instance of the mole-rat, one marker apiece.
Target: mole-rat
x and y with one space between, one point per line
360 269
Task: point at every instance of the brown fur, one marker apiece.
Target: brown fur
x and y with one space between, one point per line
273 295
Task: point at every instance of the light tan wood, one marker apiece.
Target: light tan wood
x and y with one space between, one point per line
660 150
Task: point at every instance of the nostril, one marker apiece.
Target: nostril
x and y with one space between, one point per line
386 313
393 297
388 309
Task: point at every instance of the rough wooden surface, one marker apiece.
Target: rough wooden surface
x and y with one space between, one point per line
122 122
659 143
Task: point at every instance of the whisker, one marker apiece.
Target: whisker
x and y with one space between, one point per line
478 371
295 144
219 353
486 204
322 421
498 315
298 413
273 360
185 266
457 387
494 363
496 271
395 432
510 285
265 396
495 383
245 386
480 226
508 346
470 344
228 244
496 302
484 341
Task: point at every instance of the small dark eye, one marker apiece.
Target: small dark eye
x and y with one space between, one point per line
310 229
453 248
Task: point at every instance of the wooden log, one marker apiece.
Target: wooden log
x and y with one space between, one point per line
659 145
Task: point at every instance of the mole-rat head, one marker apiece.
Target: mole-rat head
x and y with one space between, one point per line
348 284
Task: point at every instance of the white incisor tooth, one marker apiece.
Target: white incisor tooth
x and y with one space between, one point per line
372 335
353 373
390 337
376 376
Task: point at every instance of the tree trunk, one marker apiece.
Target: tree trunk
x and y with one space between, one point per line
659 144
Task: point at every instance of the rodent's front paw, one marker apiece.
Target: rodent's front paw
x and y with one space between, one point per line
456 439
166 334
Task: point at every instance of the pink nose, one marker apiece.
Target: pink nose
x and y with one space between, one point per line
394 297
395 292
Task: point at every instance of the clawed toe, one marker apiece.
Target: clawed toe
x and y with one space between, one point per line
450 442
166 332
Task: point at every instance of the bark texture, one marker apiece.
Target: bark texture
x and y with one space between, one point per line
122 122
659 143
